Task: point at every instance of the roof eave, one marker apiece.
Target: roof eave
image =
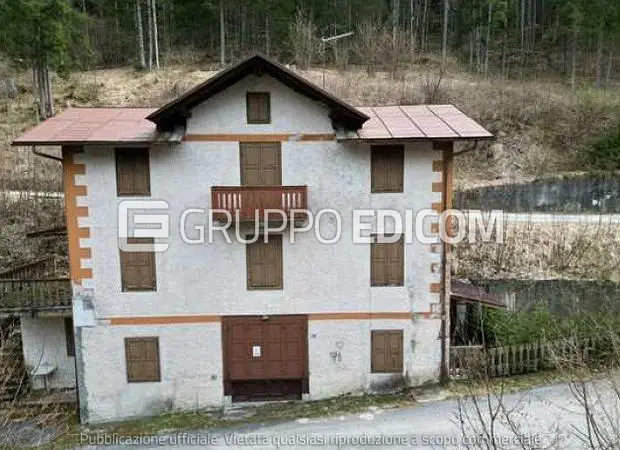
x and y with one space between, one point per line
348 137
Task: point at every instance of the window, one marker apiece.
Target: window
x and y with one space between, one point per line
387 262
142 359
138 268
386 351
69 336
386 168
132 172
264 263
261 163
258 107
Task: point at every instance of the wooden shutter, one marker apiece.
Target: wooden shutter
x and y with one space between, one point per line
133 176
138 271
261 163
387 262
386 348
69 336
387 167
264 263
142 359
258 107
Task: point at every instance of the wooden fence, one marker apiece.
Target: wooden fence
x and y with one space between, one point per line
468 361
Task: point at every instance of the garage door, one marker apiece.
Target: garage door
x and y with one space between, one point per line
265 357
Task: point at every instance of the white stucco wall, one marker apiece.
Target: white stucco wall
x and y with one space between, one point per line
339 353
211 278
190 367
44 341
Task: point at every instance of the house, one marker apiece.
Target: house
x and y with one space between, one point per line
177 325
38 293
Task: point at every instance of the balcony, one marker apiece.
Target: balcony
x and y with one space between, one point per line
39 285
246 200
31 295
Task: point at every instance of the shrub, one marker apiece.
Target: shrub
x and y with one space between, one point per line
605 153
512 328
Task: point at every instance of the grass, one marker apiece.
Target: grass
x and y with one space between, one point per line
263 414
272 413
507 385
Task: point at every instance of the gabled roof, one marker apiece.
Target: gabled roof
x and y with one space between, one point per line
175 112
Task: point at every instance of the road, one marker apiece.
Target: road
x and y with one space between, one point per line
582 219
548 416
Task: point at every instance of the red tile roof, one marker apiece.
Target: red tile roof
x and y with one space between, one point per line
419 122
77 126
94 126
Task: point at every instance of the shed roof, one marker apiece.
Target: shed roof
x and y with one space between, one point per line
418 122
465 291
96 126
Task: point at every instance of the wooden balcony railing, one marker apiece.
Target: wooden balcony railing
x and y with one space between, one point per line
47 267
249 199
26 295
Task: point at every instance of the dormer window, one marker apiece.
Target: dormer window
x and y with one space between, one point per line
258 107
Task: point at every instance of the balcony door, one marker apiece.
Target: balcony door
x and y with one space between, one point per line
261 163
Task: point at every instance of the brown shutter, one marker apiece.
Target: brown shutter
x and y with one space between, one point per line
387 262
386 351
258 107
264 263
138 271
69 336
142 359
387 168
133 176
261 163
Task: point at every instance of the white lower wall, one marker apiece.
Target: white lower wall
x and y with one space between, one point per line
192 371
190 364
44 341
339 354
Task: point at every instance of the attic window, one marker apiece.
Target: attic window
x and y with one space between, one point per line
258 105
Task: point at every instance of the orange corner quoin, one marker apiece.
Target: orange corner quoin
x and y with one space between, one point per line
73 212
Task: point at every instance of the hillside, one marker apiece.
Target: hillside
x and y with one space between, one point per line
541 126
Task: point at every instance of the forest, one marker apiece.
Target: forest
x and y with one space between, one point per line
573 38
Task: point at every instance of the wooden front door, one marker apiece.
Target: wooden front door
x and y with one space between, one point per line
261 163
265 357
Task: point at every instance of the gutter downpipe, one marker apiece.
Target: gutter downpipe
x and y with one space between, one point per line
45 155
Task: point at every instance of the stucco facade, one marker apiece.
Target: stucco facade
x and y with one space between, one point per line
328 282
44 343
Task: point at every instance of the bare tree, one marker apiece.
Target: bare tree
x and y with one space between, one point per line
222 35
302 34
444 40
155 43
140 35
149 17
